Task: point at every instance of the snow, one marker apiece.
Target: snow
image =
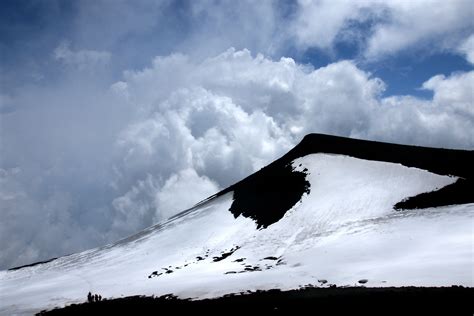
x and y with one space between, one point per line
345 230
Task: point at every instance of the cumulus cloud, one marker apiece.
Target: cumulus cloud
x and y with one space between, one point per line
454 92
288 98
100 151
444 121
191 125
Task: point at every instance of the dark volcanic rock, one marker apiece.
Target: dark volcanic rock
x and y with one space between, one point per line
32 264
267 196
358 300
225 254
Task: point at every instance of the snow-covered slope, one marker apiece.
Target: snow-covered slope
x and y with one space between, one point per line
341 228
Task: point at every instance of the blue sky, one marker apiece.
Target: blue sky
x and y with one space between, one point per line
107 108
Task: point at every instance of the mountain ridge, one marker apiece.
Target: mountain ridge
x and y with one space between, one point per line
452 162
331 212
433 159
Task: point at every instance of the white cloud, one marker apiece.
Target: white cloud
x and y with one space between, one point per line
196 128
383 27
445 121
196 187
467 48
454 92
437 23
318 23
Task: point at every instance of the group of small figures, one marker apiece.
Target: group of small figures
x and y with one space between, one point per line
93 297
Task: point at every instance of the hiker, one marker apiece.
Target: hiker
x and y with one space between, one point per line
89 297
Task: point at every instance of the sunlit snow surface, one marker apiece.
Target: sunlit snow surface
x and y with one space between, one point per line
345 230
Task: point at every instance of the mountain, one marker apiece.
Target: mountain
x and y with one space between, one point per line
333 213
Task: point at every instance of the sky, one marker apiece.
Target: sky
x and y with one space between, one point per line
115 115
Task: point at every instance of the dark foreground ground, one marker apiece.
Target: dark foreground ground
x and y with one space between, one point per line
308 301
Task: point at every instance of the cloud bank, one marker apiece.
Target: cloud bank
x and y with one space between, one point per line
102 147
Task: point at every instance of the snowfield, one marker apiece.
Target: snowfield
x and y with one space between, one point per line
344 231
